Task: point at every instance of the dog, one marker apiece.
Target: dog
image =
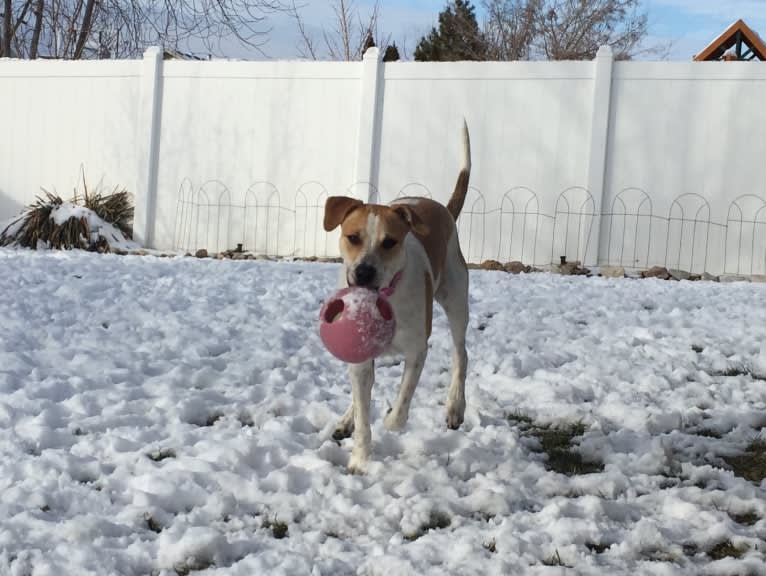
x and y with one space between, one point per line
410 249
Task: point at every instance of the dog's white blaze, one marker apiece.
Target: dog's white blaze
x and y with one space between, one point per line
373 221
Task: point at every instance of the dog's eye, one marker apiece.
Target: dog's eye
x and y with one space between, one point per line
354 239
388 243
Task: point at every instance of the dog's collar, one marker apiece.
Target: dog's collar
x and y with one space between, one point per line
388 291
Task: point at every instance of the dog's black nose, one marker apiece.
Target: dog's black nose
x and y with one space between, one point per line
364 275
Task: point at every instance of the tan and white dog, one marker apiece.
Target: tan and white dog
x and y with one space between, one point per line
410 249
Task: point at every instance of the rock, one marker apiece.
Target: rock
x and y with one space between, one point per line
471 266
694 277
201 253
573 269
516 267
733 278
679 274
759 278
491 265
613 271
238 256
709 277
656 272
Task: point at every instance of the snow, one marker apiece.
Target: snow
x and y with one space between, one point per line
159 415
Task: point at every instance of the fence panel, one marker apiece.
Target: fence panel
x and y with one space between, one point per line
247 152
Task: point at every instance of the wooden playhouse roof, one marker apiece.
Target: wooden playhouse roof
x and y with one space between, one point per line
745 41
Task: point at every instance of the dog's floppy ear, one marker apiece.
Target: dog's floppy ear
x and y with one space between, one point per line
336 209
411 217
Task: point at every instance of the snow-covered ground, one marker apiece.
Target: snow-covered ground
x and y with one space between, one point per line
163 416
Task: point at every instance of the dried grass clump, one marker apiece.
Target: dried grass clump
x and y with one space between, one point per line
34 225
115 208
37 223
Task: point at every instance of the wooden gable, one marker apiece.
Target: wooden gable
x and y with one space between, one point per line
746 43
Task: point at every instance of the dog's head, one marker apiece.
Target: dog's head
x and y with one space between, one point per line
372 238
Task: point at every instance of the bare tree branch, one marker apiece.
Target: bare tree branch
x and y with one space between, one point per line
347 38
5 45
564 29
306 47
124 28
35 41
85 29
20 19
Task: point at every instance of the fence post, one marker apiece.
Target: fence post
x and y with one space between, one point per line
368 142
602 96
150 117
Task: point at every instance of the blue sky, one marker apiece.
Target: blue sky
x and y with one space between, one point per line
688 24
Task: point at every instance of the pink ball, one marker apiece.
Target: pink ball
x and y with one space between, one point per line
356 324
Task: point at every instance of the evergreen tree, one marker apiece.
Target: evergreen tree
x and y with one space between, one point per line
369 42
457 38
391 54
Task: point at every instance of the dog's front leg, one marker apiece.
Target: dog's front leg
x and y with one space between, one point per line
413 367
362 379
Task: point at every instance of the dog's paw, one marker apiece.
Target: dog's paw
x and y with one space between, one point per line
357 464
455 416
394 421
342 432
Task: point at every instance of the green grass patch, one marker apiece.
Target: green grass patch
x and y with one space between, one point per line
521 419
734 371
557 442
708 433
436 521
278 528
597 548
690 549
746 518
726 549
751 464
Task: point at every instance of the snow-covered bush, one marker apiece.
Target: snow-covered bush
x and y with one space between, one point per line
99 222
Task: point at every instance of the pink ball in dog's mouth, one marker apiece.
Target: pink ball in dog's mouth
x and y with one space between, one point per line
356 324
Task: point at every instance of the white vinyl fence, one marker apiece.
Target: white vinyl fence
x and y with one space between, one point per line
621 163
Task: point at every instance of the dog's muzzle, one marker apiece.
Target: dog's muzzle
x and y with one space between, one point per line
365 275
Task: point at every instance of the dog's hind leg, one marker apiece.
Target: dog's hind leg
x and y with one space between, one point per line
455 305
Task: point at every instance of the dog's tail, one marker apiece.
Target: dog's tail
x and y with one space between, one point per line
456 201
